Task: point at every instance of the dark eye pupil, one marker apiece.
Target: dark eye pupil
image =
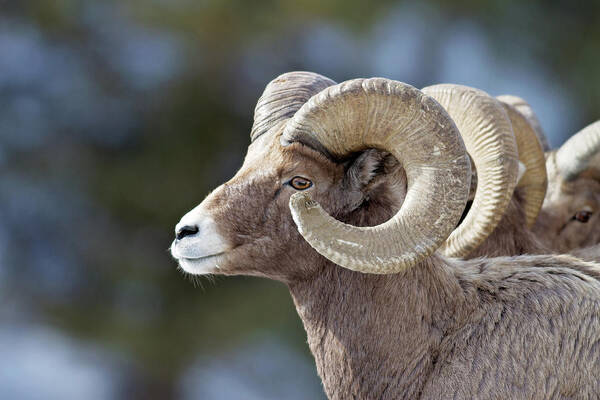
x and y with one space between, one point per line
582 216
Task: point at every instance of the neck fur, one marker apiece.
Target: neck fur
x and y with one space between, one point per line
376 336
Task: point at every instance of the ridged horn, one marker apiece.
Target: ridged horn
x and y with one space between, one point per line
489 139
397 118
534 181
575 154
283 96
525 109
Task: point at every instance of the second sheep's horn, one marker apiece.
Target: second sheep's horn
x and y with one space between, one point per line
400 119
527 111
534 182
489 139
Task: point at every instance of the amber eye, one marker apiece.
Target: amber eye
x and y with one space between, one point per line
300 183
582 216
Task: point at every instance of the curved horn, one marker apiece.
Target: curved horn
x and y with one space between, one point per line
283 96
489 139
525 109
534 181
574 155
397 118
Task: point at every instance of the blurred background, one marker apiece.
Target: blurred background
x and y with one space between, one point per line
117 117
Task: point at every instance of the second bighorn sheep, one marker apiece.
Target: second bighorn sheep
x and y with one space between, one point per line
570 215
312 205
513 234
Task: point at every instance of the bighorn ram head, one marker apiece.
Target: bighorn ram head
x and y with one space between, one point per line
570 216
323 163
339 145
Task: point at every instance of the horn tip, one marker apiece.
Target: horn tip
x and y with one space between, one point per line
284 141
302 200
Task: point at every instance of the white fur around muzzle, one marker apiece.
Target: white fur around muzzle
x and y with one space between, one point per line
201 252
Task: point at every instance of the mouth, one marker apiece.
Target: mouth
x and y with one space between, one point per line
201 265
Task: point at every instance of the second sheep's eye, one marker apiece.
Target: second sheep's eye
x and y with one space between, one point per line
300 183
582 216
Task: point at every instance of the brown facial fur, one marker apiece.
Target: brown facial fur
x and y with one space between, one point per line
350 191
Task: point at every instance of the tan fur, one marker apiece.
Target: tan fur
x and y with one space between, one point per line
520 327
482 329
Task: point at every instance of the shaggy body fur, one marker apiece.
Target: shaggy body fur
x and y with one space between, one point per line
521 327
514 328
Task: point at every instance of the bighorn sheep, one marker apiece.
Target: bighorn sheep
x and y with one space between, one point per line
414 325
570 215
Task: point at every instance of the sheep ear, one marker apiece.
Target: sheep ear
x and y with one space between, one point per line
363 171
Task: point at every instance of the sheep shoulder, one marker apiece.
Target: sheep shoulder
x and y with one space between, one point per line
536 330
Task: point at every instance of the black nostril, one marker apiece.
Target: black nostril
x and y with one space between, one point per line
186 231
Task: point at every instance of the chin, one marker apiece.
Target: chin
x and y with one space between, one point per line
201 266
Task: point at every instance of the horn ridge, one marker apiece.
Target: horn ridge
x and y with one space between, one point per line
534 182
283 97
